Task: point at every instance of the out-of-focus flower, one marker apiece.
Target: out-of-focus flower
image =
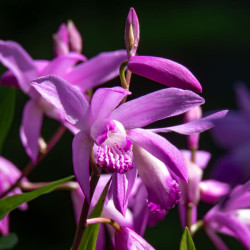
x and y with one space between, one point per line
23 69
231 217
116 133
8 176
232 132
67 39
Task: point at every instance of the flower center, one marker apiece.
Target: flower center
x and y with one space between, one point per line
115 153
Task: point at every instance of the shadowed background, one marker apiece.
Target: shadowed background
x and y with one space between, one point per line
211 39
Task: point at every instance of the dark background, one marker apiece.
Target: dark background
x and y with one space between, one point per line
211 39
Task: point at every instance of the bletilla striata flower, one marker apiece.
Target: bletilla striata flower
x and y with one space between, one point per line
23 69
8 176
116 134
231 217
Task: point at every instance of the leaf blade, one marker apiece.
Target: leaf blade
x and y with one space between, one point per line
11 202
186 241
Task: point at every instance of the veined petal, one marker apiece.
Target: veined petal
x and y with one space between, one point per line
161 149
163 192
81 152
155 106
97 70
16 59
67 99
31 128
63 64
122 185
167 72
105 100
196 126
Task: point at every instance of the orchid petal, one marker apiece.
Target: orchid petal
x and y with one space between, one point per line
122 185
61 41
163 192
31 128
167 72
195 126
183 214
126 239
236 228
201 157
161 149
105 100
63 64
67 99
132 33
9 79
219 244
243 98
97 70
4 225
75 39
16 59
81 152
155 106
212 191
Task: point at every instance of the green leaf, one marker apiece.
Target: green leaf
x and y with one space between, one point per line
9 203
89 238
8 241
186 241
7 107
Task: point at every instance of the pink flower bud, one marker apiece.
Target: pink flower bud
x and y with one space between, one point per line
75 39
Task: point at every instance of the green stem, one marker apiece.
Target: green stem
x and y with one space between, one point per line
197 226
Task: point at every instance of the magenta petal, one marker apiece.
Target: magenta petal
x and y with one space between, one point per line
182 213
201 157
81 152
31 128
75 39
212 191
17 60
122 185
126 239
67 99
161 149
163 192
222 221
105 100
155 106
61 41
219 244
97 70
164 71
132 33
196 126
9 79
63 64
4 225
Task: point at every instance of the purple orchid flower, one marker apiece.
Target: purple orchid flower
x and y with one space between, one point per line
8 176
158 69
116 133
23 69
231 217
232 133
209 191
67 39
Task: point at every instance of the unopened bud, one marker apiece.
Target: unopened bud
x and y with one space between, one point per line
75 39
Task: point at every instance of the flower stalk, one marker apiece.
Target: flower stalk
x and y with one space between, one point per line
111 222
